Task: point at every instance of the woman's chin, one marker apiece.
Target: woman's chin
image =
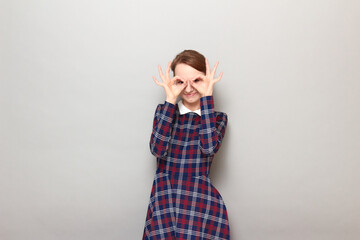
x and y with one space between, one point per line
192 99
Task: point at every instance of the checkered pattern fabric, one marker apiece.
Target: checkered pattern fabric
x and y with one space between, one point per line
183 202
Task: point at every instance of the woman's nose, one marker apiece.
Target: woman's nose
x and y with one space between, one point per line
188 88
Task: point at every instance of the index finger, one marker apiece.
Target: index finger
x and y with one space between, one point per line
200 76
174 79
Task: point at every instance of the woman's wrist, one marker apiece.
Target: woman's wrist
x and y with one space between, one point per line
171 100
209 93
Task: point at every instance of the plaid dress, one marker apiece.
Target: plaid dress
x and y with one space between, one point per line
183 202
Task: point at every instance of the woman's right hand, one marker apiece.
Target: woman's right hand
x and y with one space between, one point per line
172 86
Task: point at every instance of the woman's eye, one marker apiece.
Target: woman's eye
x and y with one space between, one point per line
196 80
179 82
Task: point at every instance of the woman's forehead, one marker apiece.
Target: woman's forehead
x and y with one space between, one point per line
186 72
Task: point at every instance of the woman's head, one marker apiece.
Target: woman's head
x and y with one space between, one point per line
188 65
190 57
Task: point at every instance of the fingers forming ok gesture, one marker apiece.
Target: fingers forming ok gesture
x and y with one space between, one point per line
172 86
206 84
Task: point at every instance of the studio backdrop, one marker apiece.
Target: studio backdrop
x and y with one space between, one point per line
77 102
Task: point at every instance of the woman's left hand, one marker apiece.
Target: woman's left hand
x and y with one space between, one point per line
204 84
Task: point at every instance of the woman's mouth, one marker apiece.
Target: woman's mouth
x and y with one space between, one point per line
190 94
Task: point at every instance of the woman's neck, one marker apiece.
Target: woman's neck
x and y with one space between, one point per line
192 106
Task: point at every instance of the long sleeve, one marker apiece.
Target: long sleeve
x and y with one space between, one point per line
162 127
213 126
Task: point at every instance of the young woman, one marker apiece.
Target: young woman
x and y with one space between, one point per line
186 135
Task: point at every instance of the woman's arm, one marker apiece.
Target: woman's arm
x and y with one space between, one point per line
165 113
162 127
212 128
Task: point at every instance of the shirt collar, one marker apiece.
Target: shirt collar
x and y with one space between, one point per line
184 110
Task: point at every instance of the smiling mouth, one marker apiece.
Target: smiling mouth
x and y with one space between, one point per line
190 94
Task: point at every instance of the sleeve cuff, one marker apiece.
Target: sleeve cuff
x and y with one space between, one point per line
206 103
169 108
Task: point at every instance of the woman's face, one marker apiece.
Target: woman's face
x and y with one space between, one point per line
189 95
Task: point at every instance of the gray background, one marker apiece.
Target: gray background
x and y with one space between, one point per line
77 104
